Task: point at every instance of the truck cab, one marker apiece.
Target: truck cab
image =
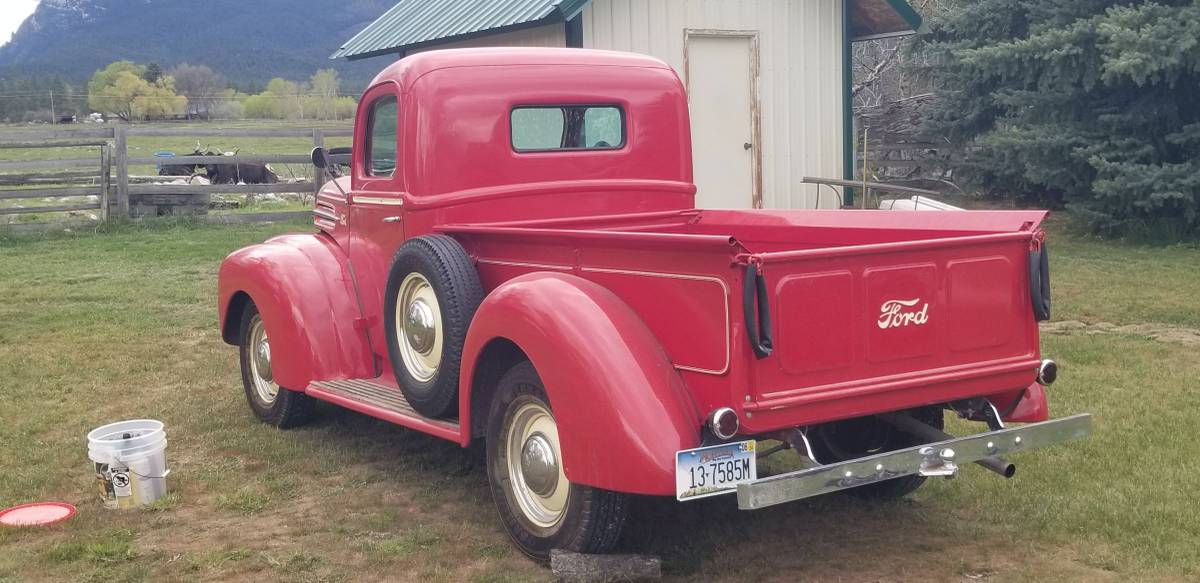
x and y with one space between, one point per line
515 256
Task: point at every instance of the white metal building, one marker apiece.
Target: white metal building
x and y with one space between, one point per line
768 80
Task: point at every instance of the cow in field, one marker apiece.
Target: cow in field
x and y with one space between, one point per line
242 172
222 172
185 169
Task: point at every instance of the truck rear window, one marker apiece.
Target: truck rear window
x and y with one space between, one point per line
541 128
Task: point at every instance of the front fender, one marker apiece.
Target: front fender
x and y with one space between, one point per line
621 408
302 288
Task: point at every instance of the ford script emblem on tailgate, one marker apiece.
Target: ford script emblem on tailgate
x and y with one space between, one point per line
897 313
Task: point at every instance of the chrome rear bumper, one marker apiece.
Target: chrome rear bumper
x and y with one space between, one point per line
933 459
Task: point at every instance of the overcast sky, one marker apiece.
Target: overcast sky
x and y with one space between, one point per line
13 14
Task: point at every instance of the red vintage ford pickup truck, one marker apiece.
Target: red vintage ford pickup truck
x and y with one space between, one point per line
514 256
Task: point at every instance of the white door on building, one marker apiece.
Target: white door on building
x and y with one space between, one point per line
721 71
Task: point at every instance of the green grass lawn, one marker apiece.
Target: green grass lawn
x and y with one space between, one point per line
122 324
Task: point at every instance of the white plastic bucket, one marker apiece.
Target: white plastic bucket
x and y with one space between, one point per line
130 461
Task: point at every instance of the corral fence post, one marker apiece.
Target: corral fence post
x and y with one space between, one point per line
105 179
122 162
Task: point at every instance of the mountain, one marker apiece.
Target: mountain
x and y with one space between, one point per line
248 41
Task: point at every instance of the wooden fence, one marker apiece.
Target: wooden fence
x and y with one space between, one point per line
906 158
110 189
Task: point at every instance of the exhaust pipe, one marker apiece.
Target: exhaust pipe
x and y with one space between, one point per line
909 425
999 465
1047 372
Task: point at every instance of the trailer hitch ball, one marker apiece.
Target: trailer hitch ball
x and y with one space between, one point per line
1047 372
938 462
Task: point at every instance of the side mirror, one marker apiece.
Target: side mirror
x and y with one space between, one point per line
320 158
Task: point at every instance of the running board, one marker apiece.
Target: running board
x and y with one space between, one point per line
385 402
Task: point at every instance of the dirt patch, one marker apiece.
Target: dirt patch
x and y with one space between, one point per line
385 532
839 538
1160 332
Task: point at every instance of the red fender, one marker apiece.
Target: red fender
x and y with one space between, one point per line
1032 407
302 288
621 408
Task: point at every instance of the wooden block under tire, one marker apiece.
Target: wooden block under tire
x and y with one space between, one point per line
572 567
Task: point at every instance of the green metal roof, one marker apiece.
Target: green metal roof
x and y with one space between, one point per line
881 18
413 24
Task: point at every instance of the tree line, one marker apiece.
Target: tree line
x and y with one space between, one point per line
134 92
1086 106
1091 106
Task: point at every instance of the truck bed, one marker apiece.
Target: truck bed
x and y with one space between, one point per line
870 311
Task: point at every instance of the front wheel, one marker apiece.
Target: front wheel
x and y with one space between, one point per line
271 403
541 509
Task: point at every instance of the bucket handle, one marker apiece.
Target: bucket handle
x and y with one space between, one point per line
164 474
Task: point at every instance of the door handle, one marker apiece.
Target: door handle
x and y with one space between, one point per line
392 219
747 146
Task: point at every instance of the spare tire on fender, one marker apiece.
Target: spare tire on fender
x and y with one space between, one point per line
432 293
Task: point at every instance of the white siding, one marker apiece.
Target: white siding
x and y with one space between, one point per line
551 35
800 75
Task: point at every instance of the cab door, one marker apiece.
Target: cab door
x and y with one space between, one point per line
376 203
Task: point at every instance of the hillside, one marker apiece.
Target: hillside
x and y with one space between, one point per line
248 42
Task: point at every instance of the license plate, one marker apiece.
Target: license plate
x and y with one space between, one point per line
717 469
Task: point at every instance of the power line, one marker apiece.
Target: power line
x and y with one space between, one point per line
82 99
42 93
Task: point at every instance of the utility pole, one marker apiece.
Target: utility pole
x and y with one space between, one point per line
53 117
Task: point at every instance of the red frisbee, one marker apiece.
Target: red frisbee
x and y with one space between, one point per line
36 514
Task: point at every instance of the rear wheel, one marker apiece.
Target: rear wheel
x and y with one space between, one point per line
271 403
541 509
864 436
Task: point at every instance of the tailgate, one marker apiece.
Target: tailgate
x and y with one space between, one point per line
870 328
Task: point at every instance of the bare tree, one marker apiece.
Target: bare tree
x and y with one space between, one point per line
325 87
201 85
883 67
889 100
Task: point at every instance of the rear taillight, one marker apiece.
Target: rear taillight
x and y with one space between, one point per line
723 423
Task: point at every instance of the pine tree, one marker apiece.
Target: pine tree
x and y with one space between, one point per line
1091 104
153 72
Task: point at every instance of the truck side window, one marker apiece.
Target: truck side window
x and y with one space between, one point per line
381 138
540 128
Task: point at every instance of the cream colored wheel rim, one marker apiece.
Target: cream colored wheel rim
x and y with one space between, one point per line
261 373
535 471
419 327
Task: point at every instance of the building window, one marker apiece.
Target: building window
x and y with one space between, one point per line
381 141
541 128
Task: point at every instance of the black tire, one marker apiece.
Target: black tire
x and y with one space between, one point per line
855 438
289 408
591 520
452 276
